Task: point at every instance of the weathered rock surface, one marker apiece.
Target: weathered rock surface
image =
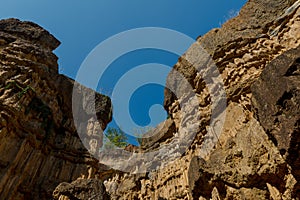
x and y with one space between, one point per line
81 189
160 134
253 155
242 166
279 111
256 153
39 143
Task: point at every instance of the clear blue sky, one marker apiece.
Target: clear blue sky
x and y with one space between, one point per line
81 25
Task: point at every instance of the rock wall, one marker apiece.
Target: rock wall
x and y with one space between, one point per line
257 154
39 144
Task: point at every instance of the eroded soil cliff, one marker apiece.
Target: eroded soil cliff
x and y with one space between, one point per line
253 155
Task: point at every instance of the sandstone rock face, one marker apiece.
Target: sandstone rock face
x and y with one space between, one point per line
81 189
39 144
279 112
242 167
161 133
256 153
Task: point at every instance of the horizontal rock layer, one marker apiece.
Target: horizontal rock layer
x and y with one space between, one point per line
254 154
39 142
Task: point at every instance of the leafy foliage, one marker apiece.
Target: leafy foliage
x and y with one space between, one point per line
116 138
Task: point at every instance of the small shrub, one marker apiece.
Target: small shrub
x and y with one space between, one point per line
115 138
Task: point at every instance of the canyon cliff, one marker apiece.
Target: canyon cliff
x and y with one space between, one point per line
40 147
253 154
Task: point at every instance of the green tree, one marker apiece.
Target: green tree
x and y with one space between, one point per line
115 138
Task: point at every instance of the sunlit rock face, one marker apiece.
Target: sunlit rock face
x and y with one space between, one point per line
256 153
39 144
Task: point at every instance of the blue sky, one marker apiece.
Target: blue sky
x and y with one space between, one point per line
82 25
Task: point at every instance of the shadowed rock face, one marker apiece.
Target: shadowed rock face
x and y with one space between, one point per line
31 32
160 134
81 189
39 144
276 99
